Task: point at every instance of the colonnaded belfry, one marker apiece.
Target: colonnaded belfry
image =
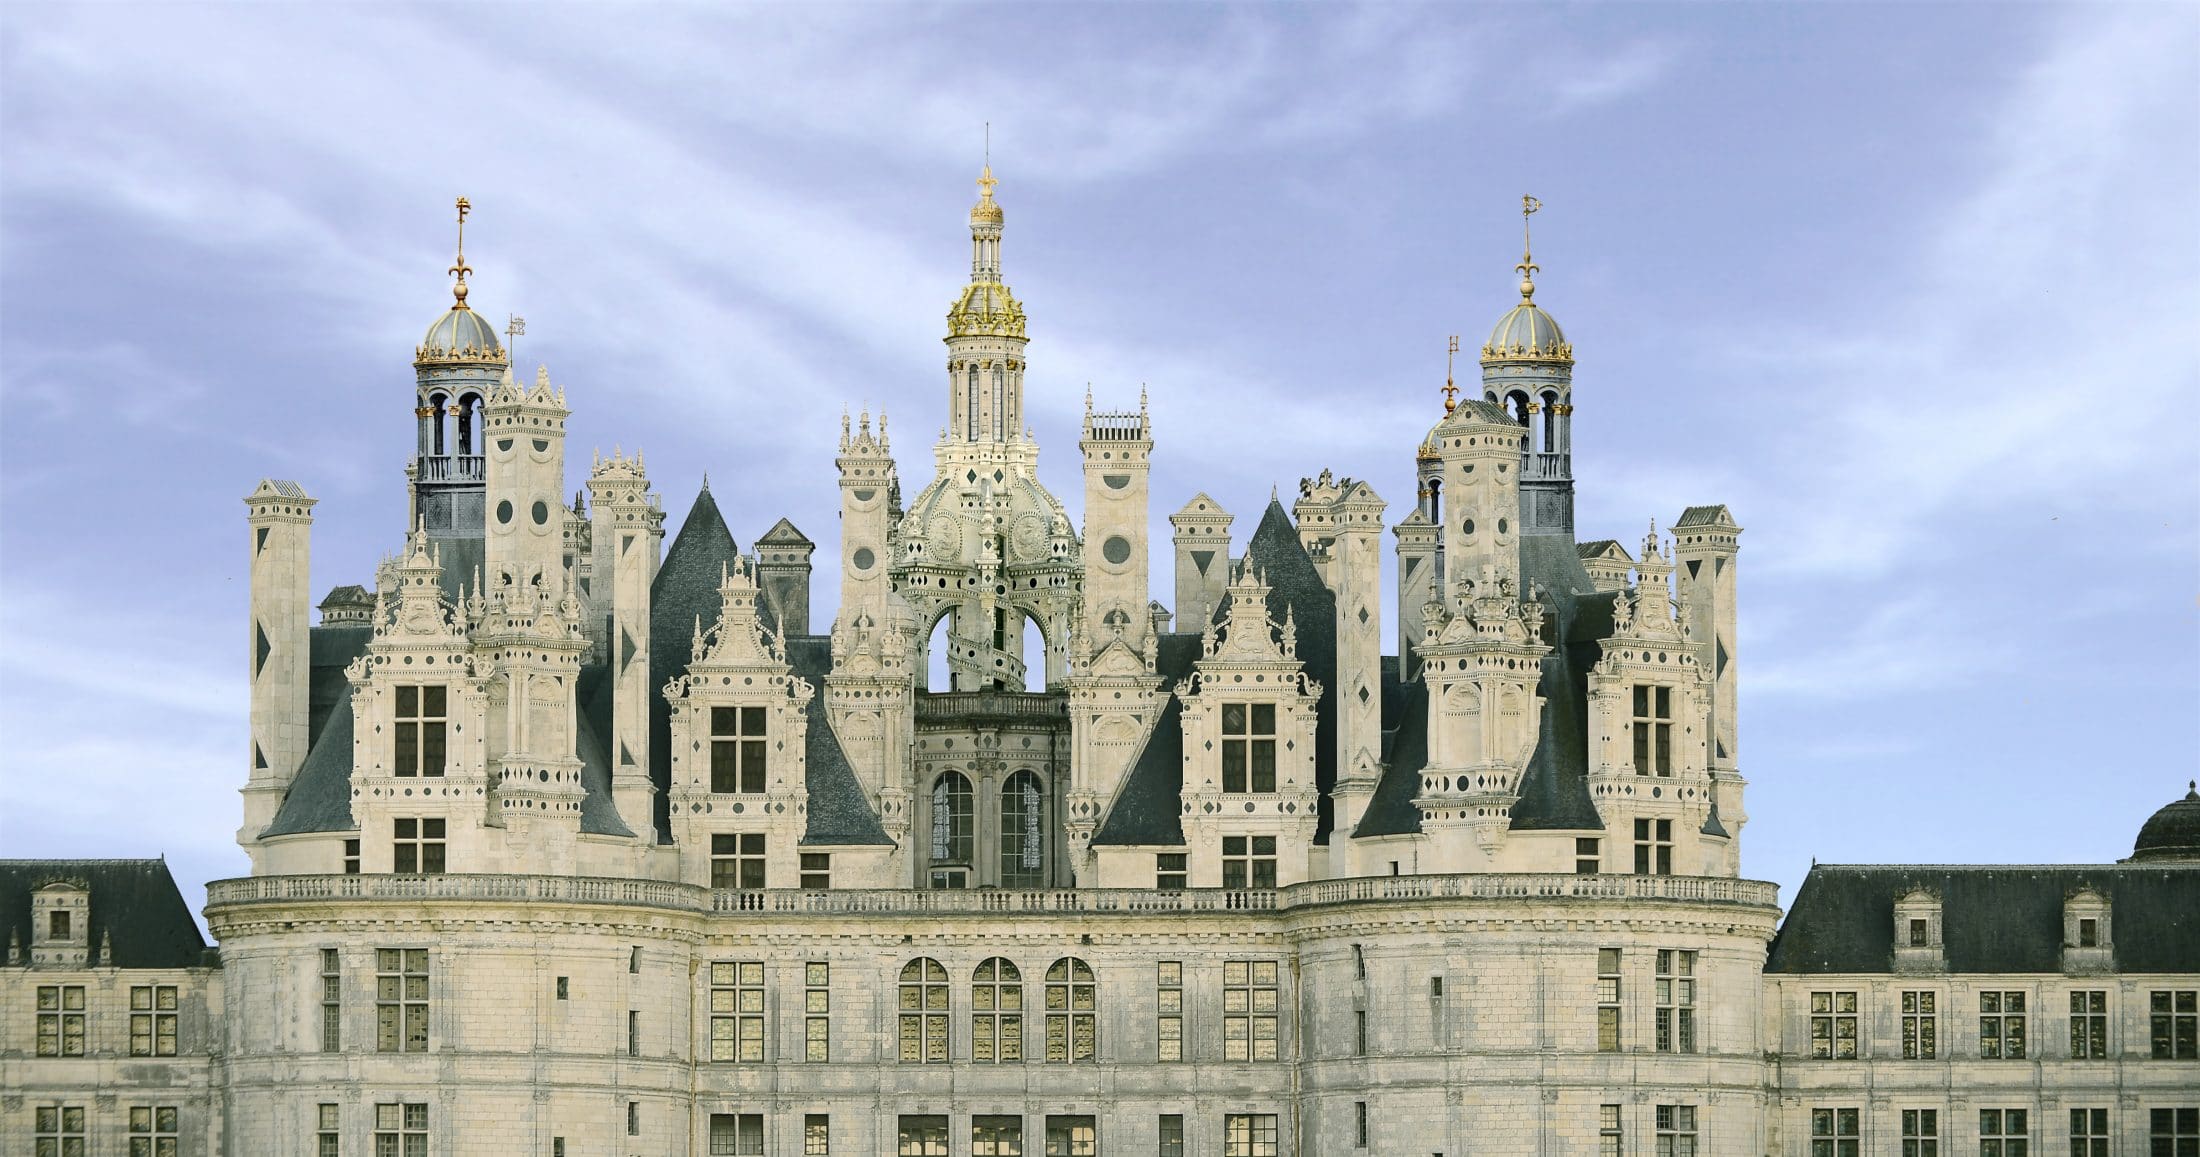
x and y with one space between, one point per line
566 841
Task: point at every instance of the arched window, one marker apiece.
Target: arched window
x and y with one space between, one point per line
923 1012
1023 833
1518 400
1070 1009
952 825
436 403
1000 405
1435 509
970 403
1550 423
469 407
997 1013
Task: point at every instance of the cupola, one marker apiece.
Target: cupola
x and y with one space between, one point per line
2172 833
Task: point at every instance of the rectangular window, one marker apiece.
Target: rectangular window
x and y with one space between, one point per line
634 960
1248 861
1359 1124
1170 871
1920 934
2089 1025
2001 1025
1169 1003
1920 1026
332 1001
57 925
2173 1023
2003 1133
1920 1133
737 745
1653 847
60 1130
400 1130
737 860
1608 1000
1249 1135
1835 1133
2088 1133
633 1118
924 1136
737 1011
401 1000
418 847
1611 1141
1071 1137
1249 747
564 988
817 1011
817 1135
351 857
60 1020
153 1131
1249 1010
1653 728
1676 1001
1588 855
633 1032
329 1141
736 1135
996 1136
1172 1136
152 1020
2173 1132
2089 933
817 871
420 722
1676 1131
1833 1026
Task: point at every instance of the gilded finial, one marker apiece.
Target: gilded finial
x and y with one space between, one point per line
459 268
1451 388
1527 267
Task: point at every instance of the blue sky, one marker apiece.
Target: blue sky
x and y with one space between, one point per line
1914 289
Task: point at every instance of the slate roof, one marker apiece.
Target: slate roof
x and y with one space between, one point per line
1554 792
1602 548
1390 811
1712 515
684 591
592 694
319 799
1994 918
1147 811
839 812
134 901
784 532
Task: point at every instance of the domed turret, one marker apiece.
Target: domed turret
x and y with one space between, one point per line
1527 332
2172 833
458 363
460 334
1528 368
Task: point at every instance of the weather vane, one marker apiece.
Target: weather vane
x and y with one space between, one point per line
1527 267
1451 389
514 326
460 269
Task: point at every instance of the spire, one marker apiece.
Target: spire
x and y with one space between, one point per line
1451 388
1527 267
459 268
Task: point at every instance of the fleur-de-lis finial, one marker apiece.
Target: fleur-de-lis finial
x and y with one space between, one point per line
1527 267
459 268
1451 388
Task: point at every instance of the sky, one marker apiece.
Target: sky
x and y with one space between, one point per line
1914 290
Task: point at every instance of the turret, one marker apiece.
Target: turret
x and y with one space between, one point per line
1202 560
628 530
985 338
1117 449
459 361
281 519
1528 368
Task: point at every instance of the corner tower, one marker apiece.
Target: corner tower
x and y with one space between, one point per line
1528 367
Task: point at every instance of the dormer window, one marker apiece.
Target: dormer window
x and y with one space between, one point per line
1920 936
1249 747
1653 728
57 925
2088 933
420 724
61 925
737 749
1917 937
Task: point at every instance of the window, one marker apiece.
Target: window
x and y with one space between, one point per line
1249 1135
1248 861
1588 859
1920 1026
817 1135
57 925
1359 962
1172 1136
332 1001
330 1140
401 1130
2089 1025
1071 1137
418 847
817 871
401 1001
420 722
737 860
1359 1124
2001 1025
924 1021
736 1010
1920 1133
2173 1023
1071 1034
1248 747
2002 1133
817 1011
1676 1131
2173 1132
153 1131
1834 1133
633 1118
737 749
152 1020
60 1020
351 857
996 1136
1170 871
564 988
1833 1026
633 1032
60 1130
1611 1140
1249 1010
1676 1001
2089 933
1654 847
736 1134
2088 1133
1023 833
1168 984
922 1136
1653 728
634 960
1608 983
953 824
996 1012
1920 933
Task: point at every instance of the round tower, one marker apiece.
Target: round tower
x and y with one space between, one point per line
1528 367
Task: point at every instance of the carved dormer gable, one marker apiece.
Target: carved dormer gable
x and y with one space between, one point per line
2088 942
61 920
1918 946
